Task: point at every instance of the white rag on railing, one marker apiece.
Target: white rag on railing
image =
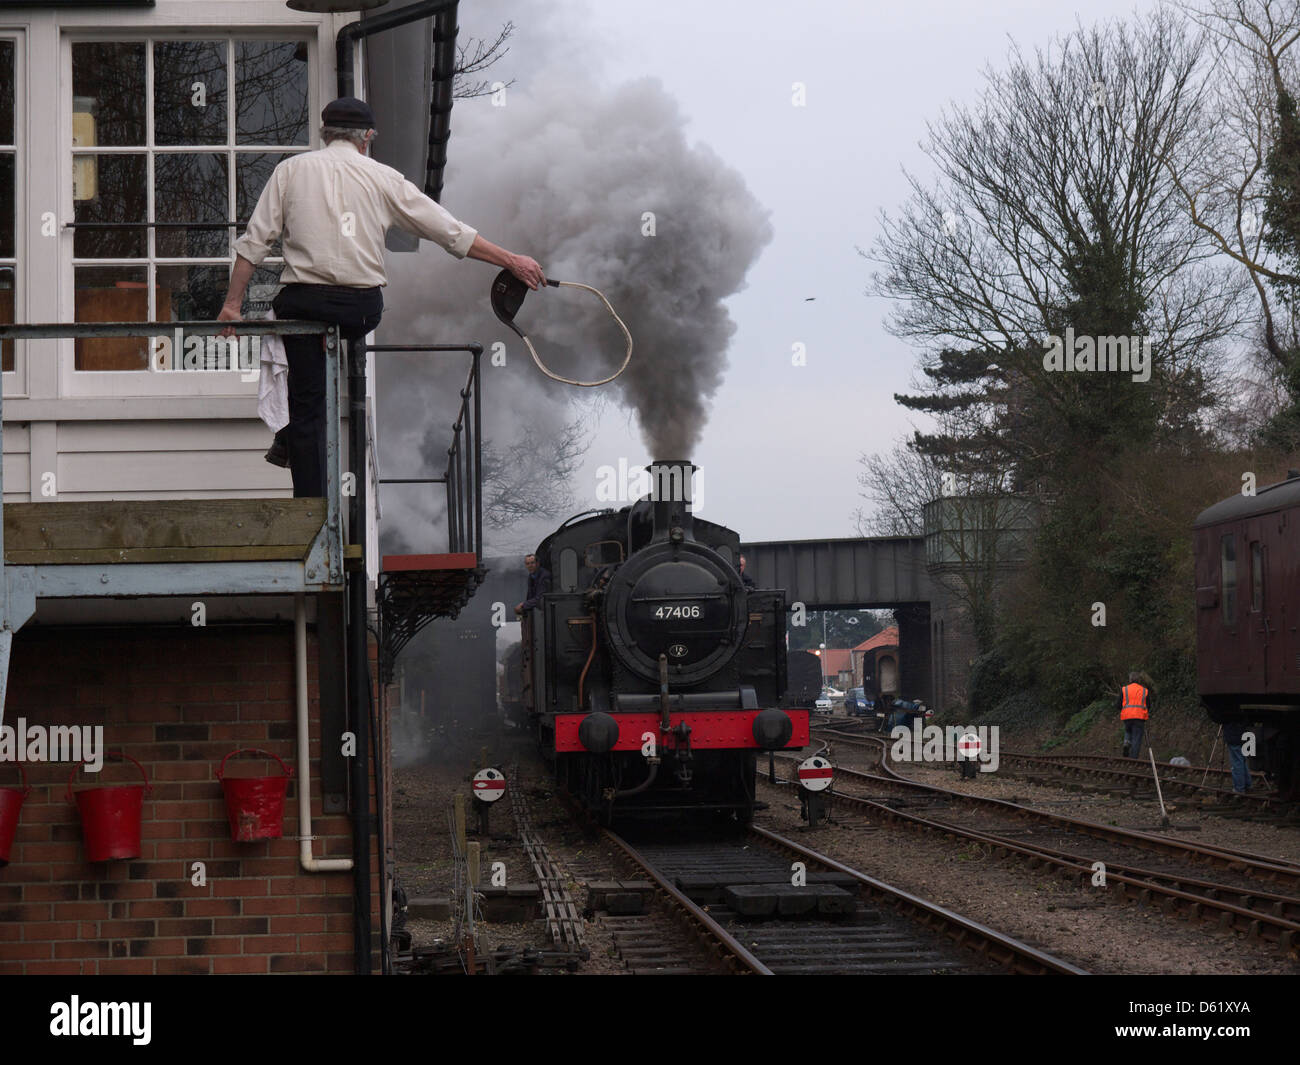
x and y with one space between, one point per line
273 385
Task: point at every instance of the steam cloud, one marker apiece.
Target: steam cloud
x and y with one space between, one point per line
566 172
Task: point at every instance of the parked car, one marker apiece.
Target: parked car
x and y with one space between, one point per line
832 692
856 702
822 705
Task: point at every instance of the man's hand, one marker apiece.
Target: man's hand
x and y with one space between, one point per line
519 609
528 271
229 314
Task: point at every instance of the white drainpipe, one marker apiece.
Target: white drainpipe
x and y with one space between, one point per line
309 863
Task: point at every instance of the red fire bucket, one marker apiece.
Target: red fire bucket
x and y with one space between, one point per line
255 805
110 815
11 801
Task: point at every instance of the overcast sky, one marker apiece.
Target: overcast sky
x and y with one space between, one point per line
780 451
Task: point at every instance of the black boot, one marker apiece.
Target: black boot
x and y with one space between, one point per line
278 453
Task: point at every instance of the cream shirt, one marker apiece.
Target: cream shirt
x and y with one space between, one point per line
331 209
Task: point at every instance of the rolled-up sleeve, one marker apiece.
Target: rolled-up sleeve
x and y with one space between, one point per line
417 213
267 222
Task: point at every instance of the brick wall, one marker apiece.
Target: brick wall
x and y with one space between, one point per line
176 699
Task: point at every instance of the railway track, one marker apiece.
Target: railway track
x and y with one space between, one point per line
1130 777
840 922
1140 866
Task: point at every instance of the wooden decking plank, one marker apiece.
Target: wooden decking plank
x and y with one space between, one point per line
95 525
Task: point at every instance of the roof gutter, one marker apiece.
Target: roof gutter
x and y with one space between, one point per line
444 65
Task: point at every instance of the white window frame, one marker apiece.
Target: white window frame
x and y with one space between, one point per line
153 382
15 380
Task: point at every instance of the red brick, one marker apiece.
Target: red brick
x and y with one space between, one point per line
213 907
122 966
155 948
55 968
277 867
240 888
253 964
48 930
212 945
274 904
296 963
79 948
314 923
269 944
329 941
326 904
185 966
240 926
187 926
50 852
138 929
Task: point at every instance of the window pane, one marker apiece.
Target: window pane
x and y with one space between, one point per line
108 93
1228 575
109 188
6 205
7 314
112 294
263 287
189 92
1256 576
191 293
270 92
6 92
190 187
252 172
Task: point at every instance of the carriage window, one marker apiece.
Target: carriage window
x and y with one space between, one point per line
1256 576
1228 579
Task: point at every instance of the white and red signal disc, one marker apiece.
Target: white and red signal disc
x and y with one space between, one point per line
489 785
815 773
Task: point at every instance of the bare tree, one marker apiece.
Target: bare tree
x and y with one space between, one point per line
1252 57
1063 151
475 56
529 478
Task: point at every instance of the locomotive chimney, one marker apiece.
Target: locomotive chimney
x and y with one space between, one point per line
671 499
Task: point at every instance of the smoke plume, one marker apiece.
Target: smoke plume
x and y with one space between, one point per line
600 185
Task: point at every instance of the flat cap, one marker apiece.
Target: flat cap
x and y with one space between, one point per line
349 113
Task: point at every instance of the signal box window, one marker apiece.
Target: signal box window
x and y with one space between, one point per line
172 141
1228 579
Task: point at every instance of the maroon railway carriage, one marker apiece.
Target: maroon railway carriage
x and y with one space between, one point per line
1248 618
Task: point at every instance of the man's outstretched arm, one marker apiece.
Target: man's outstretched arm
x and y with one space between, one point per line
527 270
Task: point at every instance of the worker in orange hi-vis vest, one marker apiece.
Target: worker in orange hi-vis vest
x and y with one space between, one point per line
1134 706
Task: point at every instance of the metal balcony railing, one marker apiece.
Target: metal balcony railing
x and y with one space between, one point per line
463 475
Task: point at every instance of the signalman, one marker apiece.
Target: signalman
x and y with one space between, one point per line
330 209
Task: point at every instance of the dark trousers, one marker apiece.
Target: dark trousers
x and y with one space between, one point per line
1134 728
356 311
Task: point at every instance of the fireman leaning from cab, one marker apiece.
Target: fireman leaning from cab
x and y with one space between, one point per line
1134 706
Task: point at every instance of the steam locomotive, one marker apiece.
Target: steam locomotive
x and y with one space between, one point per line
652 675
1248 621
